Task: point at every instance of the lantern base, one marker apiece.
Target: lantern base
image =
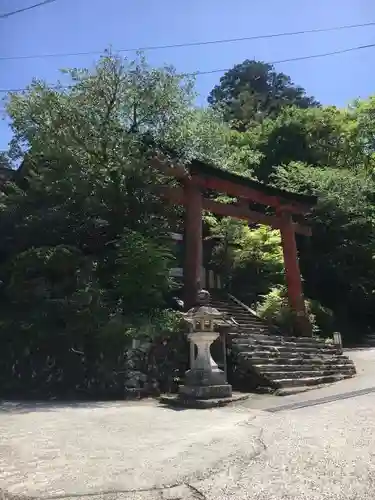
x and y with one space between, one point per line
203 378
206 391
182 401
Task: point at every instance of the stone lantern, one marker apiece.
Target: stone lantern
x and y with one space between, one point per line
337 339
204 380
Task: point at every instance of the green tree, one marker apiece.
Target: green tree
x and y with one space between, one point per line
363 132
250 259
252 91
338 260
323 137
303 147
85 255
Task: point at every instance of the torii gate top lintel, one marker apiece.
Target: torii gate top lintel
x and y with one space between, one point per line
207 176
218 179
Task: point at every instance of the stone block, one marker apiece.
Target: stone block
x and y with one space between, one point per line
181 401
206 392
197 377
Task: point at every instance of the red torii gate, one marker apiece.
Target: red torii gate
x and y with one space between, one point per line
198 177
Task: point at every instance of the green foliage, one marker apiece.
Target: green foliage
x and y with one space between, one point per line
141 269
252 91
315 150
274 309
325 322
244 157
322 137
85 253
310 149
227 232
250 259
4 160
101 117
201 134
363 133
258 262
338 261
315 136
262 244
92 119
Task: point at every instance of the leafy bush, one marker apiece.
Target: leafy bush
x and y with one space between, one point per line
251 259
274 308
258 262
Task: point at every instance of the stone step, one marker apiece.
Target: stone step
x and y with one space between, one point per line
280 338
245 334
243 319
246 325
284 360
295 363
303 374
227 307
235 310
287 362
239 312
295 360
248 353
284 343
252 324
289 358
307 381
227 303
247 331
275 368
252 328
272 343
275 350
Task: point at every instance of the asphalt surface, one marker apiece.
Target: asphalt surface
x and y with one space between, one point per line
317 445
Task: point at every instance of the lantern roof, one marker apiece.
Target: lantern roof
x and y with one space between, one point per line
199 312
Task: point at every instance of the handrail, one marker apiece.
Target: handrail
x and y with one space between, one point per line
232 297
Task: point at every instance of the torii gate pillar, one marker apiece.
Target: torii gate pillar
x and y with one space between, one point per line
193 242
293 275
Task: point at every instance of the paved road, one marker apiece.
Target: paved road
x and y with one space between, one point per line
144 452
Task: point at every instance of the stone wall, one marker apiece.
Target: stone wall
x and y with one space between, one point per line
156 366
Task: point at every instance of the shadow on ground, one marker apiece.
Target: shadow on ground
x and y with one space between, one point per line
20 407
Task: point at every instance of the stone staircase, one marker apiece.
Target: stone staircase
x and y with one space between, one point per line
261 358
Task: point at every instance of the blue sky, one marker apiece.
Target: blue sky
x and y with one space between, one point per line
85 25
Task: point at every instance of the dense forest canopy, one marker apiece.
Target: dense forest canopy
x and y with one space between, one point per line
85 253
